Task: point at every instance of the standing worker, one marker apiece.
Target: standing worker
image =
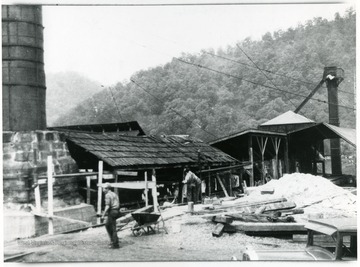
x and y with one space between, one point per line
193 186
112 206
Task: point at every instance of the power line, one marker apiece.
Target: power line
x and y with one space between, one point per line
116 106
263 85
269 71
185 118
264 73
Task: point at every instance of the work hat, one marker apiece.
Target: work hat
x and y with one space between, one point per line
107 185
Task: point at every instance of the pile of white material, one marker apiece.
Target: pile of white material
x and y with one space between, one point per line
307 190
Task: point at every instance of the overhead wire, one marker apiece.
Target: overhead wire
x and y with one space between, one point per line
191 122
263 73
115 104
255 83
269 71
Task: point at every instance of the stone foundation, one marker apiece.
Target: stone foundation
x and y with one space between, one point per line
25 158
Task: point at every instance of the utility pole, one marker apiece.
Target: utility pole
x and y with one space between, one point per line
333 76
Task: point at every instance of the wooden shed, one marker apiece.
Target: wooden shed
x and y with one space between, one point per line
135 158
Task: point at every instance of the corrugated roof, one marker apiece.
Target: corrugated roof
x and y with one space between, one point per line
288 117
348 134
136 151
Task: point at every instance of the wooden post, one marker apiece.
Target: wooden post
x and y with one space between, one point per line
100 169
50 194
262 145
35 182
276 143
146 189
116 190
88 189
251 159
209 183
154 192
37 198
230 184
286 156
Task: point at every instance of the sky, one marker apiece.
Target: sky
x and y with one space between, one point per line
108 44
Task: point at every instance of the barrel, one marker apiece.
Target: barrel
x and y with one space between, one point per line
23 75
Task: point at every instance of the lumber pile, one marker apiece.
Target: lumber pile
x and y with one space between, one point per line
264 213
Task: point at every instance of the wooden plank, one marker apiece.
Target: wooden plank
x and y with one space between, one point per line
222 185
44 215
218 231
127 173
50 194
280 206
270 227
222 219
134 185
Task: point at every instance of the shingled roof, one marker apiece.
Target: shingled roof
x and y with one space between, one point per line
141 152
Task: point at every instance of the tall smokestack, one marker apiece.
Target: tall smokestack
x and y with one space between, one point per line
24 89
333 77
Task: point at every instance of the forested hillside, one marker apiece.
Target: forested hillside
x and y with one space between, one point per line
64 91
215 93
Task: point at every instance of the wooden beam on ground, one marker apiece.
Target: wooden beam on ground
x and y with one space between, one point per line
222 219
218 231
280 206
270 227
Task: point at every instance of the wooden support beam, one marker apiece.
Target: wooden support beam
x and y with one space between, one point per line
251 159
262 145
154 192
286 156
100 169
146 189
88 185
37 198
116 190
222 185
50 194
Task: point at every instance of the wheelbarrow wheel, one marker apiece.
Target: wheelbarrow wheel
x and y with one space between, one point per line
137 232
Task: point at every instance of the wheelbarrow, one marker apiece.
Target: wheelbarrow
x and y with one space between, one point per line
145 223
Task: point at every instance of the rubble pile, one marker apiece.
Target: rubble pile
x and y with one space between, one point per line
310 192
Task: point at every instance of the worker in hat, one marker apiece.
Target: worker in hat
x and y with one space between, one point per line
193 186
112 205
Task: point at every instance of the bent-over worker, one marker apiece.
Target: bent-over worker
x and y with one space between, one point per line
112 205
193 186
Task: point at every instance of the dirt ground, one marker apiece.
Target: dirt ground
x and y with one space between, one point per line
187 239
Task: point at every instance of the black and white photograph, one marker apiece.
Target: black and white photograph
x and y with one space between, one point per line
182 131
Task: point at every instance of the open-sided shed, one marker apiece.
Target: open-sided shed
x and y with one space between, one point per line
136 158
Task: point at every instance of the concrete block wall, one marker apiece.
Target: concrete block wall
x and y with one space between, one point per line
25 156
